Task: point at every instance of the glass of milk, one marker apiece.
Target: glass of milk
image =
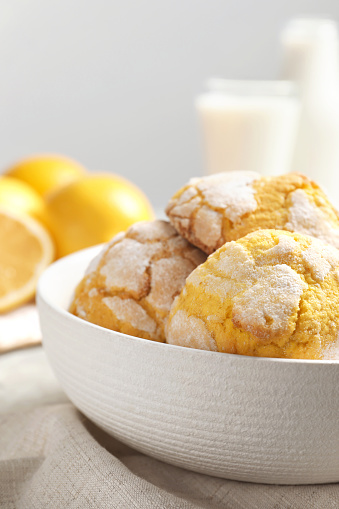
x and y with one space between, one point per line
249 125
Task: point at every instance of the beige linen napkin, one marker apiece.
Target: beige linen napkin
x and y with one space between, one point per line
53 457
19 328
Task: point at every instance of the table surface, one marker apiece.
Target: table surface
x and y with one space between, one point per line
26 381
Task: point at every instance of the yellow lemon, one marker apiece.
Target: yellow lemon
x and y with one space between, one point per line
26 250
20 198
93 209
46 173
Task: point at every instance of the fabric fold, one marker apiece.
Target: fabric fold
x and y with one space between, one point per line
54 457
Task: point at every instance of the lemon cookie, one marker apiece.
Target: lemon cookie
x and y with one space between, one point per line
210 211
130 286
269 294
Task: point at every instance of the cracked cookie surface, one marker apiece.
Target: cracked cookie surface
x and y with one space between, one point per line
130 286
269 294
210 211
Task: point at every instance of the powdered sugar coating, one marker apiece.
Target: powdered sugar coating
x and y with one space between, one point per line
320 259
331 352
265 308
119 275
191 332
231 191
305 217
187 195
270 296
236 265
271 293
128 310
208 226
149 231
198 212
185 209
94 264
281 251
132 283
210 211
164 288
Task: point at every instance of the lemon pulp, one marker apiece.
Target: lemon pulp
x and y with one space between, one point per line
26 250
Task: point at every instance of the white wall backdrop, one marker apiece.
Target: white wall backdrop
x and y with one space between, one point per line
112 82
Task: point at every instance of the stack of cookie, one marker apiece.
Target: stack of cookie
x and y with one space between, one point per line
270 286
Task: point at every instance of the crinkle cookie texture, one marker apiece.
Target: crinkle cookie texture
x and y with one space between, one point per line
130 286
269 294
212 210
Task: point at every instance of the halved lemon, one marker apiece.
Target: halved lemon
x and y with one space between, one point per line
26 248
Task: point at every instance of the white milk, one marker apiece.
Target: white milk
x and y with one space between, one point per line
310 48
248 125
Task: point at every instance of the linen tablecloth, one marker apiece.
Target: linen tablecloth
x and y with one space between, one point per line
19 328
51 456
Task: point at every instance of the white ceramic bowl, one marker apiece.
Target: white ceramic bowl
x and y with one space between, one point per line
237 417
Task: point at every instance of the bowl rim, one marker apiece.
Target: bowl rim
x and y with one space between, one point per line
42 295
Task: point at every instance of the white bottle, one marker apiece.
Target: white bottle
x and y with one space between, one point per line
310 57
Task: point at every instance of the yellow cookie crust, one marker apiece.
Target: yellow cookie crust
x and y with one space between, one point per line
210 211
269 294
132 283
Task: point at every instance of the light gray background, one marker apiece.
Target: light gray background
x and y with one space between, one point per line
112 82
